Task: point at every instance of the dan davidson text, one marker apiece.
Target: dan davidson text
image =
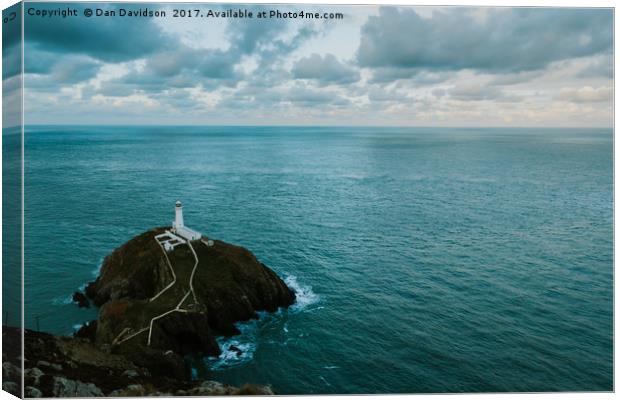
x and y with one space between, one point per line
122 12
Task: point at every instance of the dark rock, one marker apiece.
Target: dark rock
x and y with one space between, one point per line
253 390
63 387
136 270
230 285
234 348
32 376
11 387
33 392
48 365
87 331
131 374
81 300
212 388
185 334
77 360
94 372
97 373
158 364
134 390
10 372
119 353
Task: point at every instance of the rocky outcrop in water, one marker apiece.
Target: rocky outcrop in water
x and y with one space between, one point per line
195 292
80 299
228 285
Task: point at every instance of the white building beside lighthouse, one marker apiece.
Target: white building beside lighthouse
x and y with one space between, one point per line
178 226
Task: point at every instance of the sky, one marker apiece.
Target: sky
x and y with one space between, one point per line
402 66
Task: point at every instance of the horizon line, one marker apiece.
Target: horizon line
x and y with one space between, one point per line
319 126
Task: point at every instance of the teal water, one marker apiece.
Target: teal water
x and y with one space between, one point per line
425 260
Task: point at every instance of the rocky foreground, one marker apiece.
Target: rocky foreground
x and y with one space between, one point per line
72 367
156 310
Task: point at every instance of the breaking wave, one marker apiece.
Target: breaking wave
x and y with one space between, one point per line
304 295
234 352
240 349
62 301
97 270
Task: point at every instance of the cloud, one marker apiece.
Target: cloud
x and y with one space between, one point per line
74 69
65 51
475 92
112 89
11 61
270 70
324 70
506 40
249 35
283 98
210 69
11 29
11 101
419 76
586 94
38 61
440 66
104 39
515 78
380 95
601 66
207 63
11 49
312 97
45 69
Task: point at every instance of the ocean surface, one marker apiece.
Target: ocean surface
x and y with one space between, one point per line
424 260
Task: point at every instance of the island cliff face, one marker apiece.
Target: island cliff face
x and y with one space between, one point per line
155 308
139 281
195 292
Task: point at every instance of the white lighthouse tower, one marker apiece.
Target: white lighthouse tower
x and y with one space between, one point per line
178 226
178 216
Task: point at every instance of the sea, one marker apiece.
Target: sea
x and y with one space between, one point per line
424 260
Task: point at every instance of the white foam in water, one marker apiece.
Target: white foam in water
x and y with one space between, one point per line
304 294
97 270
240 349
62 301
234 352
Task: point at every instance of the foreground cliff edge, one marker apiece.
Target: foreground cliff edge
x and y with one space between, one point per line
158 308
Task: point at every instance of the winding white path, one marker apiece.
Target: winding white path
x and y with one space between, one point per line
178 308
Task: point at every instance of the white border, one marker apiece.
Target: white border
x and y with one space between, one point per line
521 3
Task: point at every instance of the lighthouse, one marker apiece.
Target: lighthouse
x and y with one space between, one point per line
178 226
178 215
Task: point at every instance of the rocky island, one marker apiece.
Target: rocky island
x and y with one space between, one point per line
158 307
